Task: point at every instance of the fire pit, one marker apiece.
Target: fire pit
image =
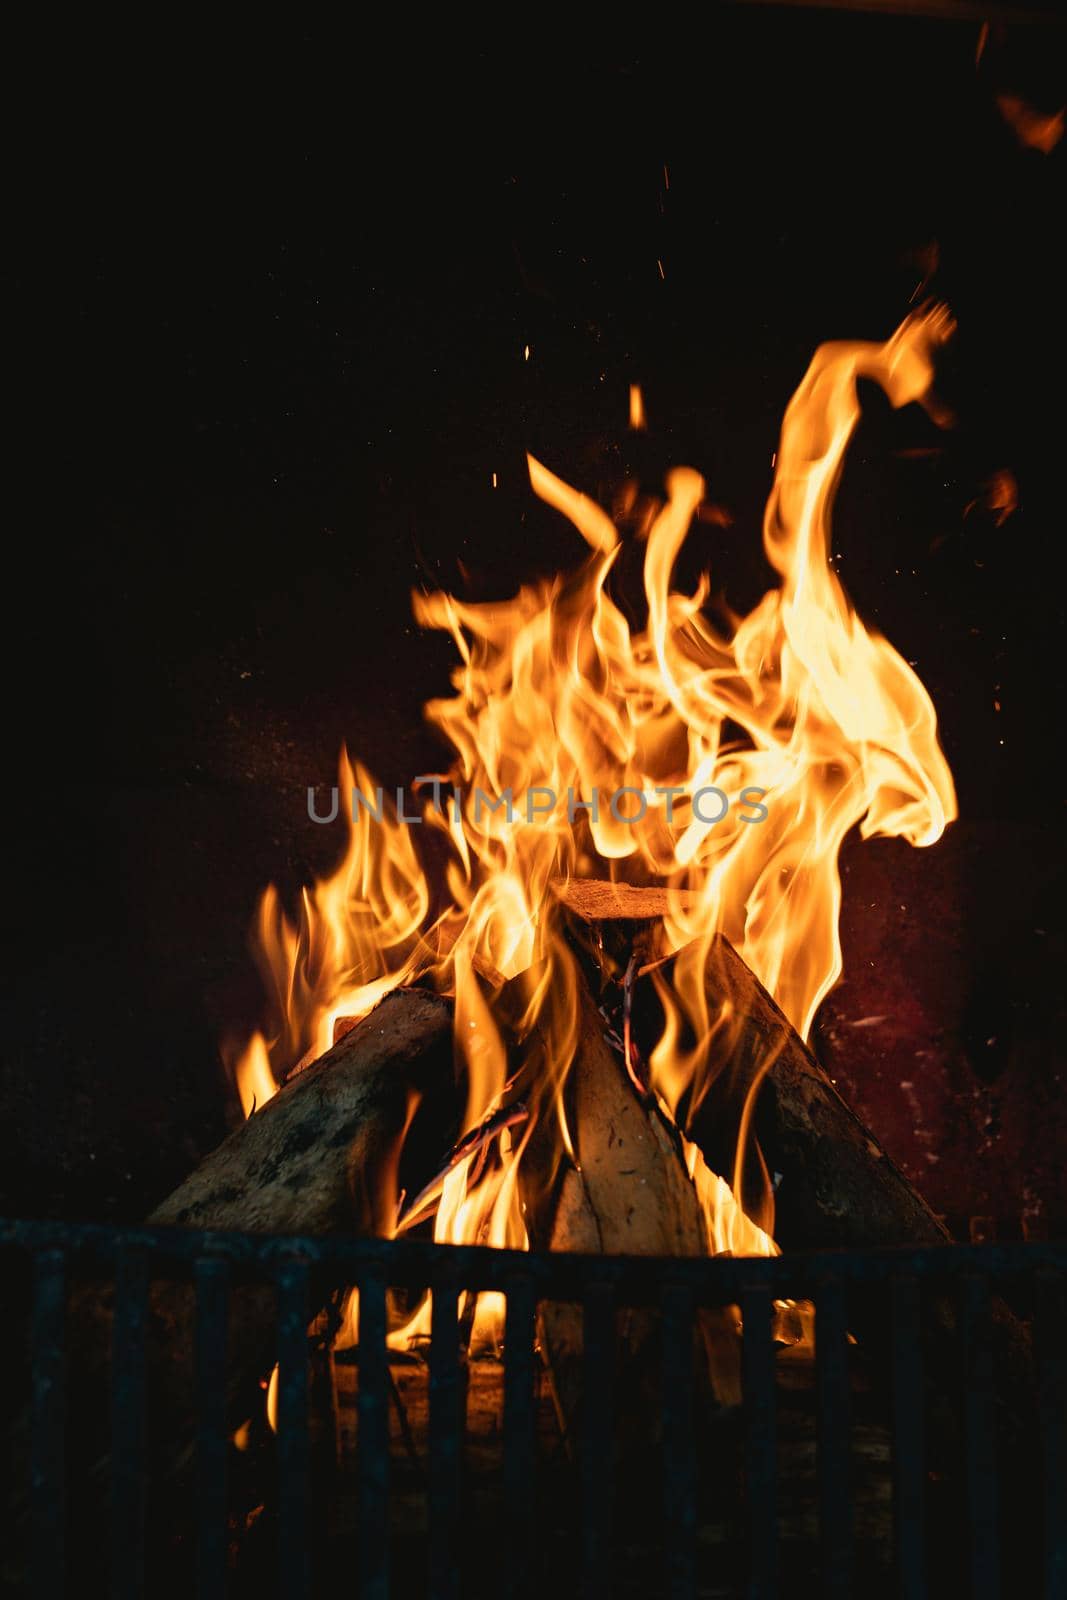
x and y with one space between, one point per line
632 1041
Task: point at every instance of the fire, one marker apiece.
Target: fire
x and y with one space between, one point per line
723 761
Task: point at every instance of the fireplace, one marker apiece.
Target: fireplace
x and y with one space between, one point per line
643 1160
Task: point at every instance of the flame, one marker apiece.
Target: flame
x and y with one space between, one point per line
1035 130
724 761
272 1399
252 1071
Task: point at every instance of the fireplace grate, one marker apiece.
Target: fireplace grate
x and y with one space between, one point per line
1030 1276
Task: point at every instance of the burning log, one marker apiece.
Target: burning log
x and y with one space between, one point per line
305 1163
311 1161
625 1192
835 1187
302 1163
638 1197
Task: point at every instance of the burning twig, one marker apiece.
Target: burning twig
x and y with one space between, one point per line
476 1143
635 1065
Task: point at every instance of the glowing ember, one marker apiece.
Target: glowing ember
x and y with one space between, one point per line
805 721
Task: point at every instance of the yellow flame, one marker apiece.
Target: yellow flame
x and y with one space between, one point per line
255 1081
272 1399
748 750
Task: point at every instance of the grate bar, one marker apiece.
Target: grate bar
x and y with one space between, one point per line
598 1336
294 1483
446 1436
1050 1311
761 1463
519 1432
981 1466
834 1438
679 1444
212 1297
373 1418
128 1473
908 1438
47 1451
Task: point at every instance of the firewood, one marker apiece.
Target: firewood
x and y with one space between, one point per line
835 1186
626 1193
595 900
311 1161
302 1161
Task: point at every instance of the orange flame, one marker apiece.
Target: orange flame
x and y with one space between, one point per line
725 764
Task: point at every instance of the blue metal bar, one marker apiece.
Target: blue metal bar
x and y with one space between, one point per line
761 1459
294 1480
980 1440
519 1435
48 1500
834 1439
909 1461
446 1437
679 1443
1050 1312
373 1416
128 1474
212 1294
598 1333
636 1280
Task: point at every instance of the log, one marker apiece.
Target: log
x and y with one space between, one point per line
615 922
638 1197
300 1164
313 1160
835 1186
627 1193
595 900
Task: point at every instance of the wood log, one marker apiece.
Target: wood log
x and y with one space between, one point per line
627 1193
301 1163
835 1186
595 900
629 1158
313 1160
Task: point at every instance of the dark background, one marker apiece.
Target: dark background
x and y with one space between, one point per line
270 297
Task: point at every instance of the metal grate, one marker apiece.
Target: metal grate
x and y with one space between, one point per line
901 1282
